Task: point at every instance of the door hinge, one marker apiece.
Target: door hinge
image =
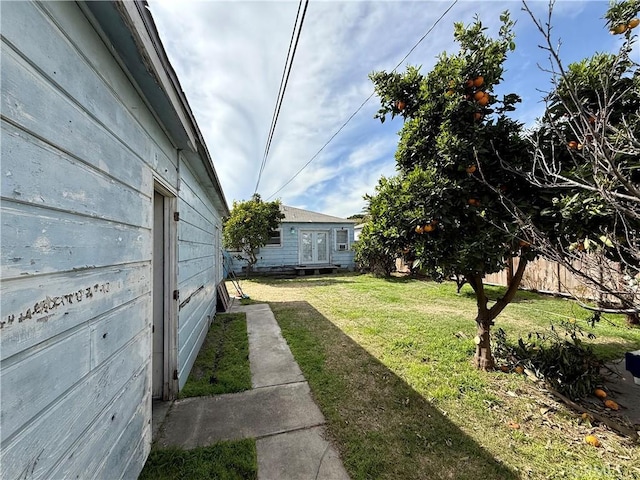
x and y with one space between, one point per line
175 374
176 294
176 216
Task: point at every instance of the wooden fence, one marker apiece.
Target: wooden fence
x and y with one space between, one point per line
548 276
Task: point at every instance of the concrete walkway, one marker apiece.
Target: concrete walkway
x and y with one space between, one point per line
278 411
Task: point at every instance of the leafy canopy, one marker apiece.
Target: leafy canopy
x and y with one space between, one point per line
249 225
436 209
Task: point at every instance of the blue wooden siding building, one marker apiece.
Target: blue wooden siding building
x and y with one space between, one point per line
305 242
111 238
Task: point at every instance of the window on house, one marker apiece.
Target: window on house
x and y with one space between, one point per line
342 240
275 238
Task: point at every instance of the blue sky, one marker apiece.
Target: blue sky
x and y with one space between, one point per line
229 57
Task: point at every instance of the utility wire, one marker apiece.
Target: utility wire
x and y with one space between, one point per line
283 85
363 103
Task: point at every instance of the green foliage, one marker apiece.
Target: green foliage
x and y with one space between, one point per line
586 160
224 460
559 356
222 365
436 210
248 227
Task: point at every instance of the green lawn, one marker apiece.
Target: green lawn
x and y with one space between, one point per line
222 365
222 461
388 362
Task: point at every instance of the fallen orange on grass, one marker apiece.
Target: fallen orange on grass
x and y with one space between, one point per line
592 440
598 392
611 404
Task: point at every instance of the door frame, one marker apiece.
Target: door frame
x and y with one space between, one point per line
313 231
170 385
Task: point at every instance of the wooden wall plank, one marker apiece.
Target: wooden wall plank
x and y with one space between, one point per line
36 240
125 453
192 334
67 184
192 193
45 440
64 125
29 386
47 43
54 306
115 329
128 407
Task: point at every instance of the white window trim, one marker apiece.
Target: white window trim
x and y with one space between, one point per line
335 240
279 229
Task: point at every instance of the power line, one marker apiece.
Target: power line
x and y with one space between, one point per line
283 86
363 103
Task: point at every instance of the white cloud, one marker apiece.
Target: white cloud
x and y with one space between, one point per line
229 58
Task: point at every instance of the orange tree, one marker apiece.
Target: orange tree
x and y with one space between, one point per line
456 131
586 156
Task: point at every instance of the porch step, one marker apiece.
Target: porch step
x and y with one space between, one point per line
316 269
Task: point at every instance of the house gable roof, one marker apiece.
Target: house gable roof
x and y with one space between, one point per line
298 215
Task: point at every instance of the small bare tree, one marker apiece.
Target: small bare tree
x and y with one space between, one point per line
585 157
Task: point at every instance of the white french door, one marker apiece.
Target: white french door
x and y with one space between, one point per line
314 246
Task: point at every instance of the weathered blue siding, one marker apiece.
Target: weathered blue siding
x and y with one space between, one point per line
286 256
198 269
80 151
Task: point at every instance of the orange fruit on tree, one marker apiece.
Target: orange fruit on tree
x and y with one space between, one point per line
474 202
572 144
483 101
429 228
419 229
468 83
471 168
478 116
401 105
478 95
618 29
633 23
598 392
478 81
592 440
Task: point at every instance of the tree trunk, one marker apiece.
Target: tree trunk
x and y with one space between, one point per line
483 359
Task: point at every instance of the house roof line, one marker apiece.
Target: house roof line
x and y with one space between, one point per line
298 215
131 32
